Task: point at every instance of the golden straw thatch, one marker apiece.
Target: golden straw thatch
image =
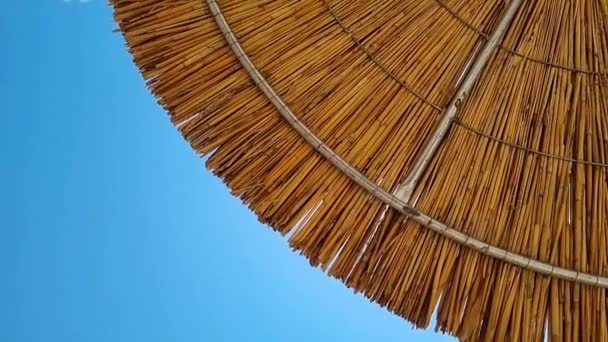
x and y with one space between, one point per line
447 154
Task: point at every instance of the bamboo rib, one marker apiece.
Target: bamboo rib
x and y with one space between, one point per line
404 191
540 207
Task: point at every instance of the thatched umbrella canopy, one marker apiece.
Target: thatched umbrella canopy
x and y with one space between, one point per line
432 154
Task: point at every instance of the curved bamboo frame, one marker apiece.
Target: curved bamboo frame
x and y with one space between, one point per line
394 202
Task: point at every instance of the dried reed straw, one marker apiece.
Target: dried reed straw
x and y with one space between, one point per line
544 91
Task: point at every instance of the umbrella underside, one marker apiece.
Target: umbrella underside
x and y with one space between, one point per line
316 113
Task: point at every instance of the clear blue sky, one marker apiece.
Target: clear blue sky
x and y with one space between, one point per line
112 230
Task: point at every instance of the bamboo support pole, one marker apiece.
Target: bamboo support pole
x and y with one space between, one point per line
395 202
405 191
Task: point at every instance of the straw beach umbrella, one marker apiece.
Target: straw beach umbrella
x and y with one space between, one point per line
435 155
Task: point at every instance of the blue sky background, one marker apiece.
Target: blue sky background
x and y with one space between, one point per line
112 230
